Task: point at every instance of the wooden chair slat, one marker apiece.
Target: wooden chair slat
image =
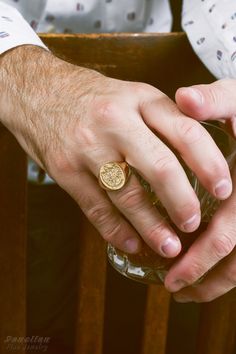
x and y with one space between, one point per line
12 240
91 290
156 320
217 328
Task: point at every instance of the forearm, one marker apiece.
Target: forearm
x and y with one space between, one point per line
32 84
18 70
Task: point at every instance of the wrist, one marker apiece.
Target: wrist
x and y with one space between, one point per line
18 69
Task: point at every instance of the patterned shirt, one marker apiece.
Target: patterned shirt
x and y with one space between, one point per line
210 25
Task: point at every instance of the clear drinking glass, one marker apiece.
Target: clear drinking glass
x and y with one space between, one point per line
149 267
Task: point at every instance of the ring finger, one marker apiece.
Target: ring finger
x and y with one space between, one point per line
133 202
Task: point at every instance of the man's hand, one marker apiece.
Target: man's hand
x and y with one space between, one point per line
72 120
214 251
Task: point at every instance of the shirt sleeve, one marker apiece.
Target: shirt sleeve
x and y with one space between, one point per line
211 29
14 30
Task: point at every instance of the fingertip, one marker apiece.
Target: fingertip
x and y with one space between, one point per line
192 94
174 285
191 224
171 247
132 246
223 189
190 101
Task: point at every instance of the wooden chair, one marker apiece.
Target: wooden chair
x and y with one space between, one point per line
167 62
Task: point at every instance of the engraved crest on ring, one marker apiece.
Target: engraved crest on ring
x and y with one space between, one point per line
112 176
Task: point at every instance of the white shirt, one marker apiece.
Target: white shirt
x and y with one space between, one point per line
210 24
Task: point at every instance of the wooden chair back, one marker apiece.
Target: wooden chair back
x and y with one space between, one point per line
167 62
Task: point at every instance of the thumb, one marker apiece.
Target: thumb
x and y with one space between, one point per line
208 102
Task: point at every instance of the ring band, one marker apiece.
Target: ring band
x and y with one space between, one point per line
114 175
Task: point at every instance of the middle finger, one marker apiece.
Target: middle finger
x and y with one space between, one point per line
192 141
158 165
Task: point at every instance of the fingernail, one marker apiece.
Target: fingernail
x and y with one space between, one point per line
196 95
131 245
223 189
171 247
192 223
182 298
177 286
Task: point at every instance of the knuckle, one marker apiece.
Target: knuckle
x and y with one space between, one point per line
141 89
189 130
164 166
106 111
132 198
194 272
99 214
214 96
188 209
171 108
222 246
112 232
62 165
216 167
156 231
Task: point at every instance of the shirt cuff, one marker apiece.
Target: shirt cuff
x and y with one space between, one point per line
15 31
211 30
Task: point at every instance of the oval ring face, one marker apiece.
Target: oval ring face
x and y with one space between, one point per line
114 175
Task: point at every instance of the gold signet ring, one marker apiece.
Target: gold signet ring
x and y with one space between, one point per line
114 175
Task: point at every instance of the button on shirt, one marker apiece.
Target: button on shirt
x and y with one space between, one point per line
210 25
